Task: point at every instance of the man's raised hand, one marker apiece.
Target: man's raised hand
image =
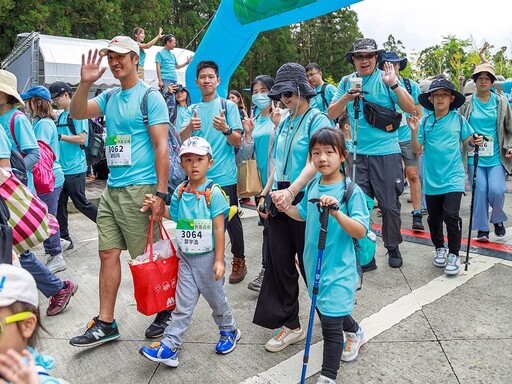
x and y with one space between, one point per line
90 71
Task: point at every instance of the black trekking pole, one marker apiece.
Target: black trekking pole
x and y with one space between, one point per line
357 110
324 220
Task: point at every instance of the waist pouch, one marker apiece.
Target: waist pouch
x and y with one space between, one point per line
380 117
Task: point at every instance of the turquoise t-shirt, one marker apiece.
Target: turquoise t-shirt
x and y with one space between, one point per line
182 112
444 171
168 63
404 132
190 207
264 132
72 156
338 276
371 141
223 170
129 149
292 143
44 363
484 120
507 86
142 57
318 101
46 131
5 145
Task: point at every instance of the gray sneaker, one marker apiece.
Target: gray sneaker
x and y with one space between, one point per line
453 265
255 285
440 257
66 244
56 263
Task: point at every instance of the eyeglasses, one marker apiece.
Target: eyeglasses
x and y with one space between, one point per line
57 98
441 95
311 74
287 94
17 317
360 56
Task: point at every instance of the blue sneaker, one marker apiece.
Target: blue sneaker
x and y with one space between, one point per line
227 341
160 353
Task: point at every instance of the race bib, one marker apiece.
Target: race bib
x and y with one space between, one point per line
118 151
486 149
195 236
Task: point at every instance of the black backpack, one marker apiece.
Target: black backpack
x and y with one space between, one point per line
95 148
5 234
322 93
18 166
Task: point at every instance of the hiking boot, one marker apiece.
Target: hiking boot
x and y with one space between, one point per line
227 341
255 285
96 333
56 263
325 380
417 224
157 327
60 300
453 265
160 353
66 244
395 258
238 271
283 337
440 258
353 342
499 229
372 265
482 236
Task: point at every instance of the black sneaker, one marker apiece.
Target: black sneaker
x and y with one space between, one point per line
157 327
97 332
499 229
482 236
371 266
417 223
395 258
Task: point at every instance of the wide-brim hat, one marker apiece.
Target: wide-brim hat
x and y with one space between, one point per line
393 57
121 44
291 77
9 85
364 45
441 84
485 67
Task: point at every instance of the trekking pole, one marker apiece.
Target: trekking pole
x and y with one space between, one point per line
324 220
357 110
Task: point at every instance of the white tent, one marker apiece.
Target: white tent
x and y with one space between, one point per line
44 59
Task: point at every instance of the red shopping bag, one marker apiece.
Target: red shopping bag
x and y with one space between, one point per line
154 281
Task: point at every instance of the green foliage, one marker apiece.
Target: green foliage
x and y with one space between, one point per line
395 45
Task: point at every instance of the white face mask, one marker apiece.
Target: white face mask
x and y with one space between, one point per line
261 100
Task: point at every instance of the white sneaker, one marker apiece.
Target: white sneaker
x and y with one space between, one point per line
56 263
453 265
440 257
353 342
325 380
283 337
66 245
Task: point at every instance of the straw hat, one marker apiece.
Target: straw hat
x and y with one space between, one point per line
9 85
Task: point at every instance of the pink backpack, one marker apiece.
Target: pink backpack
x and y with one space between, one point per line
44 178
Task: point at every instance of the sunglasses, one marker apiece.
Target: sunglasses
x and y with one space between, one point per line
360 56
287 94
17 317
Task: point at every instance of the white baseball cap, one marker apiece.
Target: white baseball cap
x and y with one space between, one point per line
196 145
121 44
17 284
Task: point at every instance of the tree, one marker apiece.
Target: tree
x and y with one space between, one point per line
395 45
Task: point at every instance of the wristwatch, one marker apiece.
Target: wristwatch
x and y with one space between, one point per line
166 197
59 136
228 132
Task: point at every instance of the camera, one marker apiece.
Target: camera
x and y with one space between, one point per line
179 87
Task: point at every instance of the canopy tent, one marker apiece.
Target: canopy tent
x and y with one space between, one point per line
44 59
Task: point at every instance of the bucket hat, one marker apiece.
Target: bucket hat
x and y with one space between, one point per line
441 84
393 57
364 45
121 44
37 91
9 85
485 67
291 77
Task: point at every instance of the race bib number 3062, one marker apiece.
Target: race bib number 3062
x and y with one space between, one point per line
118 151
194 236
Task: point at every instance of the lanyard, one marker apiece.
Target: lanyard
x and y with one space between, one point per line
291 141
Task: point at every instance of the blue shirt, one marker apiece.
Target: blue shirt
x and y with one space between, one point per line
72 156
223 170
404 132
371 141
182 112
263 134
5 145
484 120
44 363
338 276
291 147
444 171
142 57
168 63
318 101
46 131
124 117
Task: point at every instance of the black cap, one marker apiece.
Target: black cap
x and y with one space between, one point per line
58 88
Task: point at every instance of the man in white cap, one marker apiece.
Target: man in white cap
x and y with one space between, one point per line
137 156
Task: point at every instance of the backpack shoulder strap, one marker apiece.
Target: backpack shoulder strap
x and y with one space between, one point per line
144 106
313 120
71 125
349 191
322 92
407 83
11 127
110 93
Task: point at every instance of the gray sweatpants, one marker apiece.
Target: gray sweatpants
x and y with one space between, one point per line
195 277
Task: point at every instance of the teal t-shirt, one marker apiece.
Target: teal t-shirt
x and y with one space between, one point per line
129 149
182 112
318 101
46 131
142 57
190 207
223 170
444 171
5 145
72 156
338 276
484 120
404 132
292 143
168 63
507 86
371 141
263 134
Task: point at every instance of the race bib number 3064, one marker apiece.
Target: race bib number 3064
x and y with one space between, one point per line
194 236
118 151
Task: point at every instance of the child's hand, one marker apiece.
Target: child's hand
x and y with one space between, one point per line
219 269
149 200
326 201
14 369
413 122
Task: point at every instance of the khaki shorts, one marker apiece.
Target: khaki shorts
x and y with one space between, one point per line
409 158
120 222
140 72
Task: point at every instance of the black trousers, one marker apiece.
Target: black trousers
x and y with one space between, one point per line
445 208
235 229
74 188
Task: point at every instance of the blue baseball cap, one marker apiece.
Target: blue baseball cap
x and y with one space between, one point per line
37 91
